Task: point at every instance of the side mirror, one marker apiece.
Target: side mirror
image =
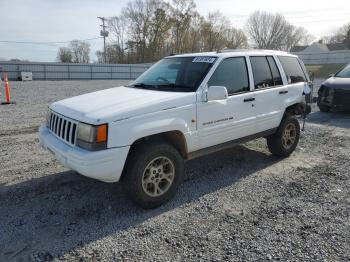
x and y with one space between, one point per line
331 75
217 93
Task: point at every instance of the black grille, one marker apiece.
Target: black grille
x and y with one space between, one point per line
63 128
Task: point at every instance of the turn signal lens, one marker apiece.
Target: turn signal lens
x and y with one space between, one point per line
101 133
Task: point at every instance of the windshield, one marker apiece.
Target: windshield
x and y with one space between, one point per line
182 74
344 73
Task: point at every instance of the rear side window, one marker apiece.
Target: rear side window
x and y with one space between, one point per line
277 79
261 72
292 68
232 73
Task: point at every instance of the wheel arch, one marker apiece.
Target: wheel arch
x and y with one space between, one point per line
175 137
295 109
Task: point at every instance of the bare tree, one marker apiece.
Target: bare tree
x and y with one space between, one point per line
347 37
113 54
235 38
217 33
273 31
147 30
297 36
159 29
268 31
118 29
138 13
213 29
182 13
195 38
80 51
64 55
338 37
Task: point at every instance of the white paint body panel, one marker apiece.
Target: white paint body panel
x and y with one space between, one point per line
224 120
133 113
105 165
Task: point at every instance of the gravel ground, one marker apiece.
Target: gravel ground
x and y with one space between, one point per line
239 204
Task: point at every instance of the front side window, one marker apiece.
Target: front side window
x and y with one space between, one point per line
232 73
182 74
292 68
344 73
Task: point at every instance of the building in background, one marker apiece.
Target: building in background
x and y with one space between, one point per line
319 53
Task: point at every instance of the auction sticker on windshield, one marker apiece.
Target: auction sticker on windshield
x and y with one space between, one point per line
203 59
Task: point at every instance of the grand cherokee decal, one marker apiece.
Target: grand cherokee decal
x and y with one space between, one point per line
217 121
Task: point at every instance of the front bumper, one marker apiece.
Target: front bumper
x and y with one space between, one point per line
105 165
334 98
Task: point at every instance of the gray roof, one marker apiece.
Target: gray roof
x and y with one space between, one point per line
298 48
331 47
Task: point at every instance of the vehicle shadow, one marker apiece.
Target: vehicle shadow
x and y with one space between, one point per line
58 213
333 118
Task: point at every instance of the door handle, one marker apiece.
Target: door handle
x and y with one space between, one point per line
249 99
283 92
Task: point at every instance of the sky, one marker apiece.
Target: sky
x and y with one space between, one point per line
65 20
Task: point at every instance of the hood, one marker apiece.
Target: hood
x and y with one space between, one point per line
119 103
337 82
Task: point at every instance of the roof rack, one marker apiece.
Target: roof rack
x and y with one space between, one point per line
231 50
244 50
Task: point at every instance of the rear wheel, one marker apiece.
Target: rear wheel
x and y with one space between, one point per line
153 174
286 138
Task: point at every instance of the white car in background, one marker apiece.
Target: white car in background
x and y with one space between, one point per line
183 107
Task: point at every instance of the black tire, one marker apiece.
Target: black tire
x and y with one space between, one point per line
139 160
277 144
324 108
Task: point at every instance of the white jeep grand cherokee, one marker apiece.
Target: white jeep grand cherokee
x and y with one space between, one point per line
184 106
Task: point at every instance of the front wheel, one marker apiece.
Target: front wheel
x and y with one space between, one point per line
286 138
153 174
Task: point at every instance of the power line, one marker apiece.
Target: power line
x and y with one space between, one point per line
316 21
45 43
318 15
300 17
299 20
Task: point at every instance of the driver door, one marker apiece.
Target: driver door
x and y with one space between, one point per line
220 121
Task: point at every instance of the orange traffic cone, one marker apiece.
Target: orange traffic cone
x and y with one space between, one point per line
7 91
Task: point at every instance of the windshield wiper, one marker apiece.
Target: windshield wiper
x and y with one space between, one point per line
168 87
174 86
142 85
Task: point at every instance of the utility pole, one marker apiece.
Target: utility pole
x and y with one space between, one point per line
104 34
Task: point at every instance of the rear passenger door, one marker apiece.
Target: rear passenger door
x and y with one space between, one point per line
269 92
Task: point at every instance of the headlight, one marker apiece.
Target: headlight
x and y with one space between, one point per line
91 137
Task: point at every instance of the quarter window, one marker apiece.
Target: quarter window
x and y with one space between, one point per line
232 73
292 68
